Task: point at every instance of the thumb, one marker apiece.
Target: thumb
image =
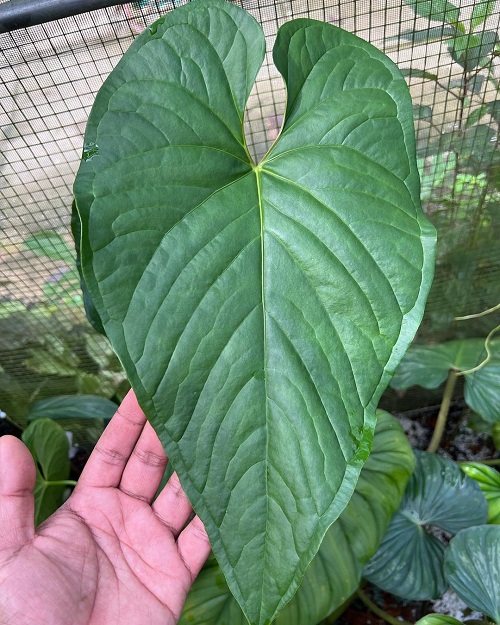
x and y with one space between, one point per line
17 503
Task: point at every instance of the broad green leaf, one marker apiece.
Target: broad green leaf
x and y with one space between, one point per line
429 365
482 387
488 479
49 243
438 619
481 10
472 567
436 10
335 571
409 562
258 310
49 447
73 407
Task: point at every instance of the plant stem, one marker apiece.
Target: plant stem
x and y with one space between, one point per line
378 611
481 314
437 435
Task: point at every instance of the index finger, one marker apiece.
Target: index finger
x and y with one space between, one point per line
112 452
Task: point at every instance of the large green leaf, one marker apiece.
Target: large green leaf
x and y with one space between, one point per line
472 567
482 387
258 310
409 562
335 572
488 479
429 365
49 447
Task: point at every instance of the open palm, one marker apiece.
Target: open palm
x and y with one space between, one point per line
109 555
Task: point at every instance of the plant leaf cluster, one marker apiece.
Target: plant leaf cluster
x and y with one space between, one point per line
410 561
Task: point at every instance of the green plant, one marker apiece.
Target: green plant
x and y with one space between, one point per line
63 286
45 351
258 309
410 560
472 566
477 360
50 422
459 162
49 447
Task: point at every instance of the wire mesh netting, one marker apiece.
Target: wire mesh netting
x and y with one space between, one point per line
49 77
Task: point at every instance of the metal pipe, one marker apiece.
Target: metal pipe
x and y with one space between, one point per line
23 13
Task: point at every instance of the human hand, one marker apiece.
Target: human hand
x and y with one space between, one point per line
109 555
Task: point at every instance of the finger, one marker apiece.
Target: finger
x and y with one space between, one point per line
17 503
145 469
112 452
172 506
193 546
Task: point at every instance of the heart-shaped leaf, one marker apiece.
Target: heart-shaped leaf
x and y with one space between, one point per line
482 387
259 310
335 571
429 365
409 562
488 479
49 447
472 567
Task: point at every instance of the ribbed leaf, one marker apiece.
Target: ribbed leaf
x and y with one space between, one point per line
258 310
335 572
488 479
472 567
409 562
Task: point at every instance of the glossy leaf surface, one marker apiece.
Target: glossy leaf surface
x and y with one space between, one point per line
335 572
472 567
259 310
49 447
409 562
488 479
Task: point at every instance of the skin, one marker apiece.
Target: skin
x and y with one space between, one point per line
109 555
